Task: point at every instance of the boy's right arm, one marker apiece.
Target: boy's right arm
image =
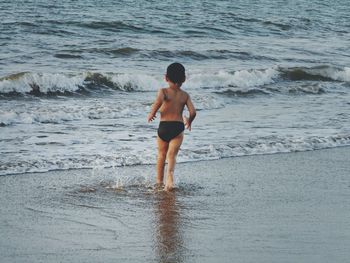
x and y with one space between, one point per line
192 111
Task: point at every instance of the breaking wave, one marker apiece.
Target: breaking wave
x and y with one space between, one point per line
236 83
321 73
50 84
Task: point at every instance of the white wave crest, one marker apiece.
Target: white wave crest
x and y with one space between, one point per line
341 75
333 73
241 79
138 82
47 82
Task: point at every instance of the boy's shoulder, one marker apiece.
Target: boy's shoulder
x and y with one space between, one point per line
186 94
162 90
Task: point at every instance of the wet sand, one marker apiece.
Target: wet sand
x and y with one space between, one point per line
269 208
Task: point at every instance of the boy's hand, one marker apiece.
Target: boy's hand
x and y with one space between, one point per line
151 117
187 123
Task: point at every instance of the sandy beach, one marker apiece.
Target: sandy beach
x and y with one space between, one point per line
290 207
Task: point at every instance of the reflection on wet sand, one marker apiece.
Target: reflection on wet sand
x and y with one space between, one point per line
168 238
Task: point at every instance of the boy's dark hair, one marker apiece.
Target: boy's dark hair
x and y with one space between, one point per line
176 73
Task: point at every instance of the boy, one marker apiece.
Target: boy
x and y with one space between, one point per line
171 102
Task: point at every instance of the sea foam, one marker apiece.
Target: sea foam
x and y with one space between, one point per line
201 152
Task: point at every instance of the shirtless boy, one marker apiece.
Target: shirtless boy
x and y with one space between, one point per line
170 102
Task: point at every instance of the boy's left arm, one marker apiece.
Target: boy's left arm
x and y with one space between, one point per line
156 105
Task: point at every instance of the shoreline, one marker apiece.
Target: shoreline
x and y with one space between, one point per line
178 163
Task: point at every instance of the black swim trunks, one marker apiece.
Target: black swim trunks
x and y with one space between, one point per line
168 130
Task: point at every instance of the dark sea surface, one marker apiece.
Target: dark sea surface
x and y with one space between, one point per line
77 79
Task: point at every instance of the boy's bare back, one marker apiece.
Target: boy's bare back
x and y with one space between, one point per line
174 101
171 102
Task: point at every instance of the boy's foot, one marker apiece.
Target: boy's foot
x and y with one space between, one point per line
169 187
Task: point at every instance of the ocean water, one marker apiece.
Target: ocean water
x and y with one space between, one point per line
77 79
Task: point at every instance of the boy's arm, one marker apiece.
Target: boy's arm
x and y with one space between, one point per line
156 105
192 111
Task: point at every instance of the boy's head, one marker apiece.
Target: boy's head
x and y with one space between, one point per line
176 73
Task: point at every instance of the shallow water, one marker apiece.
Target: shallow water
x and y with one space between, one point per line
269 208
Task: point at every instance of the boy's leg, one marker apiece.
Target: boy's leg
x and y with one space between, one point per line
174 147
162 151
